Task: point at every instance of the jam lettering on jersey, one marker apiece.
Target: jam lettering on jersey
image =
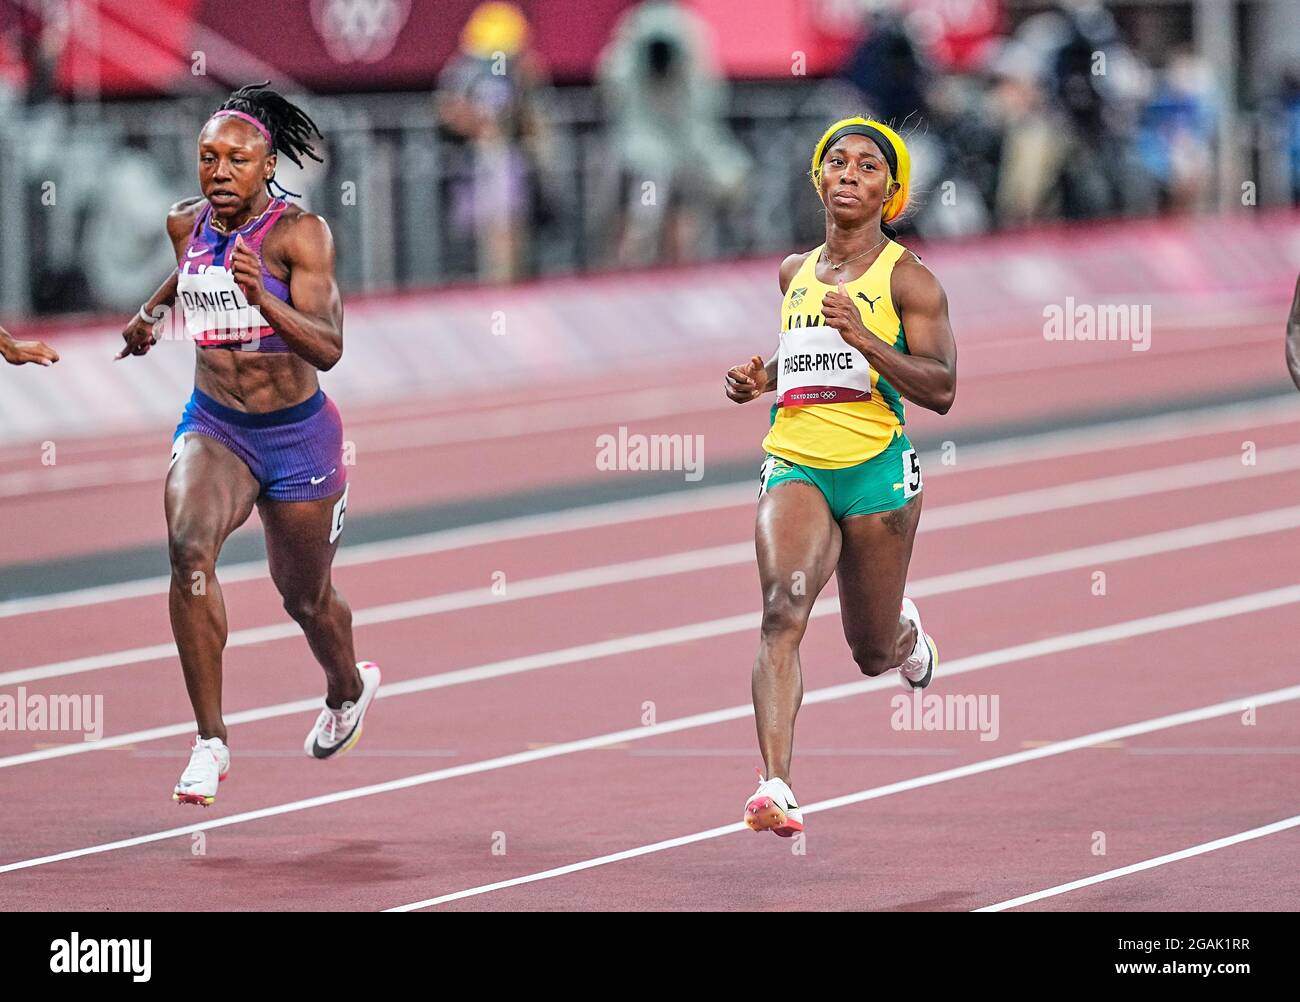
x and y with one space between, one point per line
868 411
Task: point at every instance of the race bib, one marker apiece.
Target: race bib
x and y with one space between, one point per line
177 448
817 366
216 311
336 519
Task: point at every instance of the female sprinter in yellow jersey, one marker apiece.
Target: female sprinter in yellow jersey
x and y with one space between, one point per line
863 325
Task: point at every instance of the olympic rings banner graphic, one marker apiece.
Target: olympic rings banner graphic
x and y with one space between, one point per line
128 48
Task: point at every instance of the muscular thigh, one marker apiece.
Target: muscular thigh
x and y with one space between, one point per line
209 492
797 542
301 540
872 572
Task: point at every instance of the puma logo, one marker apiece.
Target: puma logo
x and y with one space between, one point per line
869 301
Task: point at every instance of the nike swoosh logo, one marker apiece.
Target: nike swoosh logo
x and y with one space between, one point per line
190 253
320 751
321 480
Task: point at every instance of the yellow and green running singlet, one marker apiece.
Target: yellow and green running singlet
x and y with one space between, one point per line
836 435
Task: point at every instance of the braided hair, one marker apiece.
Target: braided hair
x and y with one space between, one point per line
290 127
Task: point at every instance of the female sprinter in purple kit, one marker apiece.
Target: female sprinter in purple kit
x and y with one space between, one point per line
256 290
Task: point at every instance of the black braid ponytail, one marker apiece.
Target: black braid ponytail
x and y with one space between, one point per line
290 127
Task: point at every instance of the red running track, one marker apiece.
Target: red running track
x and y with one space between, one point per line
110 488
643 648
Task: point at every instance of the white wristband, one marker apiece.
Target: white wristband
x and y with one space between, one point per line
146 318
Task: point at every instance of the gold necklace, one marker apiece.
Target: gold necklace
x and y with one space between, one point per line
837 267
216 224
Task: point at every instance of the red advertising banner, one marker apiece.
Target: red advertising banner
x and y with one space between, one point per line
127 48
340 45
783 38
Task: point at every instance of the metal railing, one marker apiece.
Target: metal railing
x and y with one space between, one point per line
84 190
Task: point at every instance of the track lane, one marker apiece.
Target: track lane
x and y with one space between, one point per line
272 766
40 635
258 672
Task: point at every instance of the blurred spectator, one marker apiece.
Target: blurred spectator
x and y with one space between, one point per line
34 34
488 99
678 160
1176 136
12 71
1065 96
890 71
954 161
1290 96
1088 85
942 119
1032 144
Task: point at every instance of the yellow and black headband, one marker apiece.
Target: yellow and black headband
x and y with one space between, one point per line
892 148
872 133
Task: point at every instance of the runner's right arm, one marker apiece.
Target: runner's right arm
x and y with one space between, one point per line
742 383
139 333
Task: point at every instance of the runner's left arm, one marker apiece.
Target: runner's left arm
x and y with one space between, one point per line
313 326
927 373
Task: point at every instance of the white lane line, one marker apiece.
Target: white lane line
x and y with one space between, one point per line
689 561
424 544
547 418
903 786
1022 449
693 560
549 413
365 415
403 435
1177 619
874 793
1119 487
551 584
493 669
1147 864
82 476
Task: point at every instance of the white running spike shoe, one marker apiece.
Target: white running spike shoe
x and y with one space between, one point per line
773 808
917 671
336 731
209 765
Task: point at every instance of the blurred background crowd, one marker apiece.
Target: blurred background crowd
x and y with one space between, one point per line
499 141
